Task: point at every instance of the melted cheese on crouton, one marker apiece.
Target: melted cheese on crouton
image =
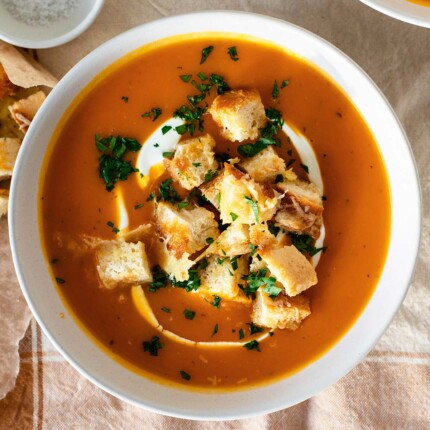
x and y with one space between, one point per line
239 114
265 166
9 148
231 242
290 268
185 230
280 312
193 159
122 264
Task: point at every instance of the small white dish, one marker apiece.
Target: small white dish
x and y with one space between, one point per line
62 31
402 10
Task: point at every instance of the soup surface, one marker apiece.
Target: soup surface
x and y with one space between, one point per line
74 202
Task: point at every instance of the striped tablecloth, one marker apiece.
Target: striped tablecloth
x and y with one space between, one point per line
391 388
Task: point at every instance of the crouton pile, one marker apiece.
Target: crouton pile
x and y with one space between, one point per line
16 114
231 237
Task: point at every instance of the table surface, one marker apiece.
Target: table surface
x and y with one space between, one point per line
390 389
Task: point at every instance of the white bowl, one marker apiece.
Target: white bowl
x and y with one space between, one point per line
29 36
403 10
98 367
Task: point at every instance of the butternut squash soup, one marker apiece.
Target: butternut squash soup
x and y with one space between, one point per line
215 211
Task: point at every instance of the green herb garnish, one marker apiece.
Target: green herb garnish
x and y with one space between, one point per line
305 167
60 280
186 78
254 206
279 178
254 328
189 315
165 129
138 206
205 53
275 90
241 334
216 302
159 279
232 51
210 174
167 192
254 344
154 113
124 99
273 228
234 216
303 243
197 164
164 309
185 375
168 154
191 284
215 330
272 290
112 226
152 346
285 83
209 240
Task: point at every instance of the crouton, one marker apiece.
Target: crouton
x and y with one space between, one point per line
231 242
186 230
212 190
122 264
290 268
177 267
301 207
193 159
265 166
280 312
23 111
222 277
4 201
243 199
9 147
7 88
239 114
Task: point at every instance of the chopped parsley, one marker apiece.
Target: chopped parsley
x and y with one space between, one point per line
209 240
232 51
254 206
138 206
197 164
189 315
185 78
124 99
285 83
215 330
254 344
241 334
305 168
151 197
164 309
154 113
112 226
279 178
191 284
273 228
152 346
60 280
168 154
254 328
156 145
291 162
210 174
219 81
167 192
256 280
185 375
275 90
233 262
234 216
253 249
303 243
216 302
112 167
159 279
166 128
272 290
205 53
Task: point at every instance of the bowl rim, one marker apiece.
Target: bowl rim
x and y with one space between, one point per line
17 235
405 16
83 25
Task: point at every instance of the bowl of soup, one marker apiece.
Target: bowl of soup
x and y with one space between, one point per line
415 12
215 215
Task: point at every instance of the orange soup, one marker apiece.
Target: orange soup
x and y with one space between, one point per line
133 98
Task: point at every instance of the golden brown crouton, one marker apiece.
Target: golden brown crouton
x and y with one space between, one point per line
186 230
239 114
243 199
193 159
301 207
4 201
231 242
177 267
122 264
23 111
9 148
280 312
7 88
290 268
222 277
265 166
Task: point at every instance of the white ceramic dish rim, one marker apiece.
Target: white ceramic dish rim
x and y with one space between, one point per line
93 363
402 10
59 40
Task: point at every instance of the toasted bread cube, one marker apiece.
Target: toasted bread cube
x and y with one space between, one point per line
122 264
186 230
301 207
244 199
7 88
265 166
280 312
231 242
193 159
23 111
175 267
222 277
4 201
239 114
9 147
290 268
212 190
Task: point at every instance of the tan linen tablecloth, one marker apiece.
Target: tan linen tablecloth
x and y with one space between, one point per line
391 388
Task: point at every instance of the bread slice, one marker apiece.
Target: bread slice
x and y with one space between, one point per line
231 242
221 277
4 201
193 159
186 230
122 264
280 312
9 148
301 207
265 166
241 199
290 268
23 111
239 114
